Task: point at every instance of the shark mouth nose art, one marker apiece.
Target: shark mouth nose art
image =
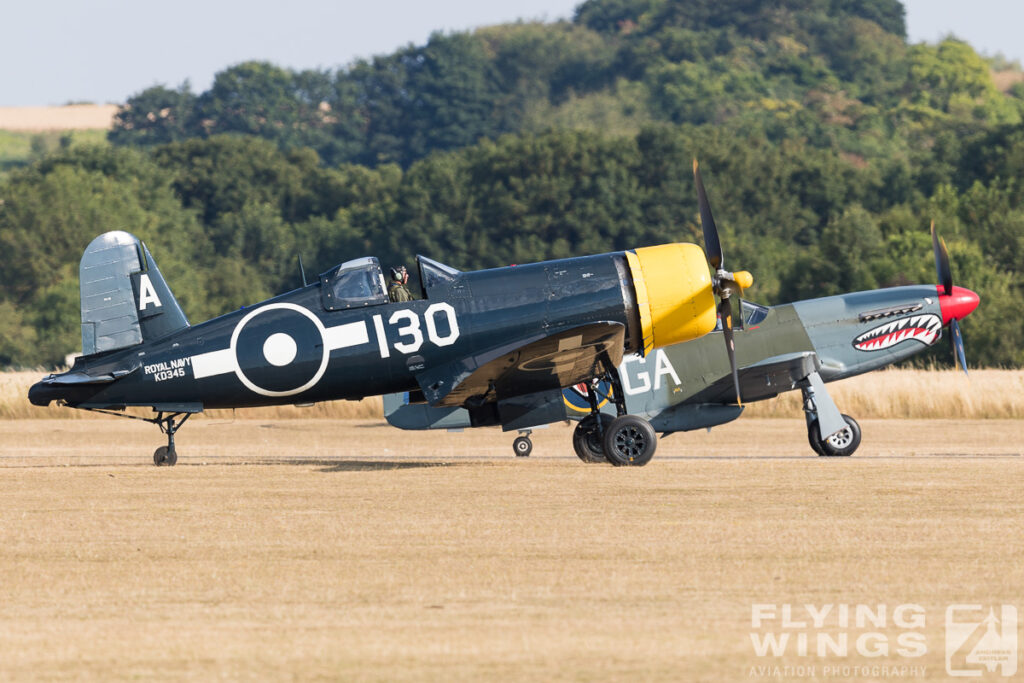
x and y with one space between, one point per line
923 328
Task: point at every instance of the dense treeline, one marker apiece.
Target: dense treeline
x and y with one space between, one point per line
828 145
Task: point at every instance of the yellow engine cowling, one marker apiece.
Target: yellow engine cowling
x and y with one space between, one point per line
675 300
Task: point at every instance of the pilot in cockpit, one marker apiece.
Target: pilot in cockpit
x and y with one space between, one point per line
398 289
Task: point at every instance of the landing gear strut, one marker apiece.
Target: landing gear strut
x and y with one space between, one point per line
588 437
167 455
840 443
169 423
624 440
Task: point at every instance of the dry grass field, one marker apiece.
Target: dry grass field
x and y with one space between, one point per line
343 549
70 117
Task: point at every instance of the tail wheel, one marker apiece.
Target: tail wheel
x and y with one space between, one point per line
165 456
841 444
630 441
587 439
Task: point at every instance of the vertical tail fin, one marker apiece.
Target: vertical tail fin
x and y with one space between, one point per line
125 300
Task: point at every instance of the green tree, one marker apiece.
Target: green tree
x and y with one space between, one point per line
612 16
951 82
436 97
155 116
17 337
303 109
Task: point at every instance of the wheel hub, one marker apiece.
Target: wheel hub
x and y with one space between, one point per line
841 439
629 442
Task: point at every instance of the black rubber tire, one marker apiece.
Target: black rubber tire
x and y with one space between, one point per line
630 441
812 438
844 443
160 456
587 441
172 458
522 446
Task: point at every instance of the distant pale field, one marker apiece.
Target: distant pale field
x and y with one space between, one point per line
71 117
343 549
1005 80
915 394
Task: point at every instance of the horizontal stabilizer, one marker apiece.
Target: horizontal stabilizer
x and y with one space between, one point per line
74 385
69 378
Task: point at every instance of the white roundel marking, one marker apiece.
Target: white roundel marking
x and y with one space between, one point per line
280 349
324 357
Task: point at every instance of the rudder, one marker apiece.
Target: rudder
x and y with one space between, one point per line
124 298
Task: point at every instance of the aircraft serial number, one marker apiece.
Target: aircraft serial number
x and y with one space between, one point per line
161 372
411 332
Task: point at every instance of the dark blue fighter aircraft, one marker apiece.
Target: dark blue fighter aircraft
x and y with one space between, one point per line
801 345
499 344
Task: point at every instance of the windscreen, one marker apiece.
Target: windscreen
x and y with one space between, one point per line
353 284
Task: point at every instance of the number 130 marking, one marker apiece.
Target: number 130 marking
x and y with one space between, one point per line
412 331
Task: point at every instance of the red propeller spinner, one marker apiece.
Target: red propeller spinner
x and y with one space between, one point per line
958 304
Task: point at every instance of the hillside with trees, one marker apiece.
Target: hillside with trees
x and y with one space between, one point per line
827 141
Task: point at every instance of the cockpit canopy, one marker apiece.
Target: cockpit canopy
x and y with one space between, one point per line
361 282
751 315
353 284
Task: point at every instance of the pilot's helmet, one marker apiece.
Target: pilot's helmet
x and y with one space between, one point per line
398 273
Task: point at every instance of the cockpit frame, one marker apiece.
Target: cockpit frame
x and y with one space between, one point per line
353 284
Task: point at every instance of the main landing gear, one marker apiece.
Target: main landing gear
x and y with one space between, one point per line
823 417
842 443
626 440
588 437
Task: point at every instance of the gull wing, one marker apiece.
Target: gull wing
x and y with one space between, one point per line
545 361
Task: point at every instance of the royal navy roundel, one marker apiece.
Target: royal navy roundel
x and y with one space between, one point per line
280 350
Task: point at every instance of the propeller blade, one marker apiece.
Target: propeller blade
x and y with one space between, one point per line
725 310
712 244
725 284
942 262
957 340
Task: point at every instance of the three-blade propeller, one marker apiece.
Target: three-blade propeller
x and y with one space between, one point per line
955 302
725 283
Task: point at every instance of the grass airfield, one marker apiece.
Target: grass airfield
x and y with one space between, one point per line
346 549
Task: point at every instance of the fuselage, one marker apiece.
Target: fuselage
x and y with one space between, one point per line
688 386
850 334
295 349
